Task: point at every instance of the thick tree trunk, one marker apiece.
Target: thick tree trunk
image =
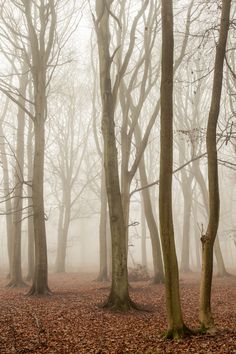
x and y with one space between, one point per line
206 317
103 269
119 296
176 327
40 281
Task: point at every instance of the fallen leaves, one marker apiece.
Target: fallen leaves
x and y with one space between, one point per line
71 322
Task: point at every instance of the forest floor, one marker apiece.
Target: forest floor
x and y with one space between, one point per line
71 321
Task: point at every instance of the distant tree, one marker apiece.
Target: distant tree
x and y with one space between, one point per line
69 136
33 25
6 182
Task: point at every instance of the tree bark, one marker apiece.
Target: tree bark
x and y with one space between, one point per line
16 279
63 229
119 295
185 262
31 252
206 318
176 327
202 184
151 222
143 238
40 280
6 186
186 181
103 269
41 41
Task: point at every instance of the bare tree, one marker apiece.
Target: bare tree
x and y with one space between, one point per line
17 205
208 239
176 327
119 295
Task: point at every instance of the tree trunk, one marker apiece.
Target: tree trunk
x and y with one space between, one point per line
59 235
202 184
16 279
6 186
221 270
206 317
30 211
40 281
197 238
185 266
176 327
186 181
63 229
151 222
119 295
103 269
143 238
125 198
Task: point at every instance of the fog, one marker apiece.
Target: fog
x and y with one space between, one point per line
73 136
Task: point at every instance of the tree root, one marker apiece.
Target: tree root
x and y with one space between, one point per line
116 304
210 329
16 284
178 333
34 291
